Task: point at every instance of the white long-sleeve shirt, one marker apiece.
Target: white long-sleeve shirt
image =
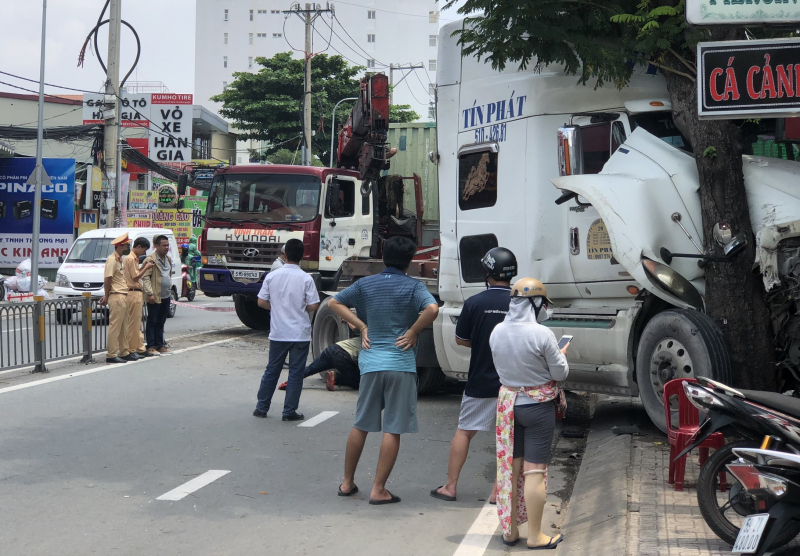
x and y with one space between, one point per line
525 352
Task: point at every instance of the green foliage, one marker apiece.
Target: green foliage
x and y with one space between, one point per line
402 114
266 105
286 156
710 152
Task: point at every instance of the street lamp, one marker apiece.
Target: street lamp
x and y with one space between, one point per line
333 124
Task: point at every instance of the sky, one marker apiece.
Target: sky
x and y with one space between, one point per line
165 27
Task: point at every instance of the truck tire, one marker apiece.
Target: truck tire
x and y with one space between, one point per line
430 379
251 315
328 329
63 316
678 343
172 307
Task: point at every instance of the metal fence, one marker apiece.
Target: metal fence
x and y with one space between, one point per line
45 330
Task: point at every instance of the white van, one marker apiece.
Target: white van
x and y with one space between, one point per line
82 269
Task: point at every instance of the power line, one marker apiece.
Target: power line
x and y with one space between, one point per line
53 117
357 53
70 100
339 53
389 11
412 93
355 41
48 84
426 89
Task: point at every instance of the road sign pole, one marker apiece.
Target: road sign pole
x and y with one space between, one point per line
39 171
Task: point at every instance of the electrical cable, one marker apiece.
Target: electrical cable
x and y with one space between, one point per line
340 54
426 89
355 42
294 6
70 100
356 52
51 117
389 11
326 47
93 34
50 84
412 93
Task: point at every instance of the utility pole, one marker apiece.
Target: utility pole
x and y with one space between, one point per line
308 16
39 176
111 132
396 67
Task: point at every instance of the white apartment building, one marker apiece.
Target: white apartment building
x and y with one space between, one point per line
230 34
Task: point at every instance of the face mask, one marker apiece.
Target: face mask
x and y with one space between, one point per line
544 314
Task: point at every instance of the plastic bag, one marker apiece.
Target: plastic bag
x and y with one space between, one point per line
23 279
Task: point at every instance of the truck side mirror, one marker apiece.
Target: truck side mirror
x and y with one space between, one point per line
332 197
570 151
735 246
183 179
60 259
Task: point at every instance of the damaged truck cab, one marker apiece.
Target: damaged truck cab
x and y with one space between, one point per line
607 239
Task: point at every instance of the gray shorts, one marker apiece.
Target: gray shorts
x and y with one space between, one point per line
478 414
534 425
392 392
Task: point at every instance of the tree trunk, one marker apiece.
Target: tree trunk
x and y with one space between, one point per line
734 293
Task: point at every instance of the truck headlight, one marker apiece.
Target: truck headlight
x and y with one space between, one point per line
62 281
214 260
673 283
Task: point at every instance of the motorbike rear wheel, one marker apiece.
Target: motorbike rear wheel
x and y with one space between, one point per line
724 512
190 293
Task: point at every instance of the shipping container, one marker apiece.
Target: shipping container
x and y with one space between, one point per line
414 143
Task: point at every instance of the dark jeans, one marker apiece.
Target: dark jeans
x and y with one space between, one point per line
298 353
156 317
334 357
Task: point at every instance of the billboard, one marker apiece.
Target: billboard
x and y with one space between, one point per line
16 211
135 109
171 140
745 79
741 12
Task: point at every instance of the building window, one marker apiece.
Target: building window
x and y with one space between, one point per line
370 38
224 85
224 38
433 17
251 15
250 62
262 35
432 40
224 61
226 15
370 14
472 250
275 11
370 63
250 38
431 89
431 65
277 35
477 180
262 11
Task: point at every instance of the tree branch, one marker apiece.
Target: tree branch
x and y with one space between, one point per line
606 8
690 66
671 70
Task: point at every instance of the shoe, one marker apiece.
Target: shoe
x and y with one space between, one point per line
293 417
330 380
111 360
261 414
283 386
163 349
131 357
152 352
144 354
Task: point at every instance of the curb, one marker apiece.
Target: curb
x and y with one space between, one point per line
597 515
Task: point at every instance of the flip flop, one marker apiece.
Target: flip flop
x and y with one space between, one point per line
509 543
351 493
436 494
393 500
549 546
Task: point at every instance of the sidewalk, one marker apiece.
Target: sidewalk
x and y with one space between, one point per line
622 503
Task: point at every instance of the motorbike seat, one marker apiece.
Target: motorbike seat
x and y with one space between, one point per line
773 400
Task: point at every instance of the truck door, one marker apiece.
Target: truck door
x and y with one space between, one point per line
597 274
346 223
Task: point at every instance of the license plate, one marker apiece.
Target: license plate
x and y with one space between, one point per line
750 534
250 274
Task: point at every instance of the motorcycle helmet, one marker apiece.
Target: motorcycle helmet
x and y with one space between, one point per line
529 287
499 263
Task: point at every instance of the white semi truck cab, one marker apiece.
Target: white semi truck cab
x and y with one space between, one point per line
592 189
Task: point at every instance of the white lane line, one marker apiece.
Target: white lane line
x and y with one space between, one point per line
100 353
480 533
317 419
105 368
195 484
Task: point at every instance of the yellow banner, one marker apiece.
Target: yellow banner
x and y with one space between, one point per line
179 221
142 200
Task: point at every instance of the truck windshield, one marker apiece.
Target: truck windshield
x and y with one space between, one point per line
91 250
265 197
661 125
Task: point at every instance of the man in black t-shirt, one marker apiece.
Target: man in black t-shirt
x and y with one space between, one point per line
481 313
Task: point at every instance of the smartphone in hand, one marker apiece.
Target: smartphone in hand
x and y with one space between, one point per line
564 341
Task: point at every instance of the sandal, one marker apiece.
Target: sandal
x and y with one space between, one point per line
351 493
393 500
550 545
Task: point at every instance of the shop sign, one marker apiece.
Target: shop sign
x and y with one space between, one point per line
741 12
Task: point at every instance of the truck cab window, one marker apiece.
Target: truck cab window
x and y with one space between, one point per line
267 197
477 180
617 136
662 126
471 251
596 151
345 205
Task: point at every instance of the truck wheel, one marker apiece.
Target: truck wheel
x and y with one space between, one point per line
172 306
430 379
63 316
678 343
251 315
328 329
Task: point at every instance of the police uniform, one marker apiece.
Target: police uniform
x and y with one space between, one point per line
117 303
135 337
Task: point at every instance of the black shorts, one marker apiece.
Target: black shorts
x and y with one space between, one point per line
534 425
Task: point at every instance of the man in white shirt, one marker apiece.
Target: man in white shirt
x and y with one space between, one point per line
290 295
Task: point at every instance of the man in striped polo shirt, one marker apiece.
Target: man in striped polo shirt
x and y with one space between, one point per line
481 313
392 310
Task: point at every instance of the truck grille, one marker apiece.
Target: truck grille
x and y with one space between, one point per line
86 286
234 253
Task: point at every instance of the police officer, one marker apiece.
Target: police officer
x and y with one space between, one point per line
133 279
115 295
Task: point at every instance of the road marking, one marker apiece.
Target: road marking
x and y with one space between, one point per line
480 533
194 485
105 368
317 419
202 308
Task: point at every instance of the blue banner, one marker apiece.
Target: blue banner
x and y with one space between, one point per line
16 211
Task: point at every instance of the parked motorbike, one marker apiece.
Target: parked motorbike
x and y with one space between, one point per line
771 479
188 288
750 415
